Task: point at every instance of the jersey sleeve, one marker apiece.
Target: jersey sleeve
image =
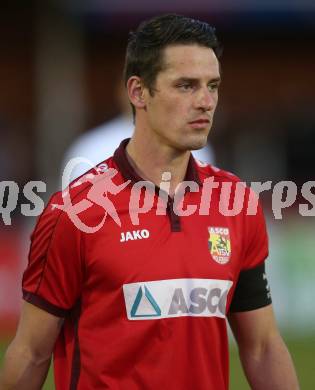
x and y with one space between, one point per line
252 289
255 239
54 275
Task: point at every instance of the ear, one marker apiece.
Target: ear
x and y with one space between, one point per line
135 92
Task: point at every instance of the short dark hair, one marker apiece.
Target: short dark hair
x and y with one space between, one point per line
144 55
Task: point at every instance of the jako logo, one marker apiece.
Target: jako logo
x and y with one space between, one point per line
134 235
176 298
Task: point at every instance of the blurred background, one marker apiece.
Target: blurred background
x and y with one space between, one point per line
60 76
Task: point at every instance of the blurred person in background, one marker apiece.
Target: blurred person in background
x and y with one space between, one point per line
99 143
125 308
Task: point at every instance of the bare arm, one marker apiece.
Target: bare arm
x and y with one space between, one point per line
28 357
266 361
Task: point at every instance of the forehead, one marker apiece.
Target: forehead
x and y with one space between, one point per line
189 61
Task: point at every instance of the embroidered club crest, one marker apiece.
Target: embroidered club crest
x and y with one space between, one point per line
219 244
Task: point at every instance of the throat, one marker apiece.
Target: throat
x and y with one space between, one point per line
164 173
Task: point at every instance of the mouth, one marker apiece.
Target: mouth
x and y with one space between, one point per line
199 123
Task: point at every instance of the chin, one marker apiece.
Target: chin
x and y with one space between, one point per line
190 141
197 143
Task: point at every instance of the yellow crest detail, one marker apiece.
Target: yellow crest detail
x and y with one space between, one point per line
219 244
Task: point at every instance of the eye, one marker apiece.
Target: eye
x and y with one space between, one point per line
185 87
213 87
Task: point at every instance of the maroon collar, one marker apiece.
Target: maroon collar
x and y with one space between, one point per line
129 173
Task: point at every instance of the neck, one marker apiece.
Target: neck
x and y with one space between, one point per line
151 159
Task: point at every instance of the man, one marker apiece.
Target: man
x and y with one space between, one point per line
141 302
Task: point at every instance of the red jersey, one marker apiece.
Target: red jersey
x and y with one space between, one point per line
145 295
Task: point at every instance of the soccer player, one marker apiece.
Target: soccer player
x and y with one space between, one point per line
137 297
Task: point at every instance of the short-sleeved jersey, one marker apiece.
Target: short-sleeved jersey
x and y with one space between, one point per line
146 293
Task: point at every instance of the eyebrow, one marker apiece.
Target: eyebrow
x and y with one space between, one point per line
194 80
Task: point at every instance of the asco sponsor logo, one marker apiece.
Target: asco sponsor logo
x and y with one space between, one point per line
219 244
176 298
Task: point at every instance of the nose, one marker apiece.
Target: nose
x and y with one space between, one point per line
206 100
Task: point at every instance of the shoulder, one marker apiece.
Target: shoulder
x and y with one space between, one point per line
80 186
74 199
235 196
206 170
